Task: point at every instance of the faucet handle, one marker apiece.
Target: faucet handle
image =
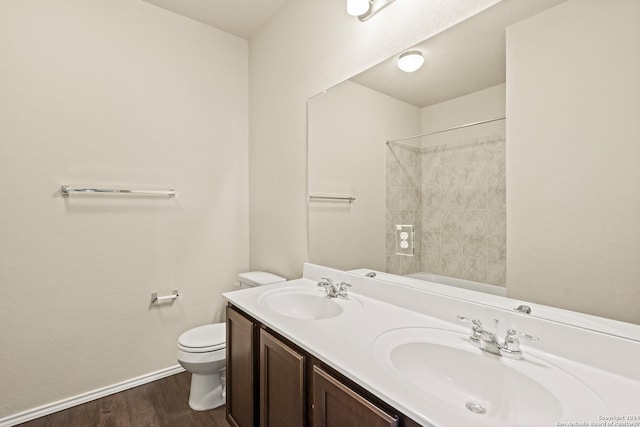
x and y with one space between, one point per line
511 333
511 344
342 289
327 284
476 330
475 322
325 281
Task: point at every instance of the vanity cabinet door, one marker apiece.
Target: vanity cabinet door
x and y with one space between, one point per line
241 367
282 385
336 405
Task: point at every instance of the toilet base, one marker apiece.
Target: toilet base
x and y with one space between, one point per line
208 391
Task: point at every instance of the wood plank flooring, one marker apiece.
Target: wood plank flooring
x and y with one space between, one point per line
162 403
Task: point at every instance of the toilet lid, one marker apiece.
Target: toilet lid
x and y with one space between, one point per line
213 335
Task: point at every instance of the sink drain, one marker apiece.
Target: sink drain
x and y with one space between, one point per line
476 408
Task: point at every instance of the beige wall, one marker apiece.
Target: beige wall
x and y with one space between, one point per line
113 92
477 106
348 126
308 47
573 156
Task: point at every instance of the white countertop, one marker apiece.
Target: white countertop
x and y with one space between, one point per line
346 342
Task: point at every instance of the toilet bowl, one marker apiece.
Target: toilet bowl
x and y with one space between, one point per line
202 352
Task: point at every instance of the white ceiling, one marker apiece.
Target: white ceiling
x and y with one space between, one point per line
239 17
464 59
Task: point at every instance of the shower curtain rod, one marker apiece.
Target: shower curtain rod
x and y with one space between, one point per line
466 125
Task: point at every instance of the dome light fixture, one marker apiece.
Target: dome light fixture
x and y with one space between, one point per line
357 7
410 61
366 9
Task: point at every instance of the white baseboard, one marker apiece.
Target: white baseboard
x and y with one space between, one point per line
50 408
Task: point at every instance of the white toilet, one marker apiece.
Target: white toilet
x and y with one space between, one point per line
202 351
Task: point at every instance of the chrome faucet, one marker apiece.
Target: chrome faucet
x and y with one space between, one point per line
489 341
332 289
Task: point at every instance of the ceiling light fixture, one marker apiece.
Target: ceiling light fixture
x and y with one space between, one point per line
410 61
365 9
357 7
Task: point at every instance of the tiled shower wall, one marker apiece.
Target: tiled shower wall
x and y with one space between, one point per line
455 196
404 204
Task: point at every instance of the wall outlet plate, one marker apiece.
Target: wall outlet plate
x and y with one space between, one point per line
405 240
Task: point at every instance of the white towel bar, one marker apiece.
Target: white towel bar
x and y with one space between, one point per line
66 190
155 298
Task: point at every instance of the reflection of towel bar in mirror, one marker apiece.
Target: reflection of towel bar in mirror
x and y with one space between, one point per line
333 198
66 190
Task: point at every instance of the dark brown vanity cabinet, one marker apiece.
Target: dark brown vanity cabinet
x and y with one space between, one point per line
282 385
335 404
241 370
273 383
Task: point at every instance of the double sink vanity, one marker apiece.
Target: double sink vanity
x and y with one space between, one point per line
338 348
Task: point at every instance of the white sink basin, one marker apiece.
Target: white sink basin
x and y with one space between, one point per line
306 304
478 388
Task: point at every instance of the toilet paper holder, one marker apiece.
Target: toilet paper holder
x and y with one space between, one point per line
155 298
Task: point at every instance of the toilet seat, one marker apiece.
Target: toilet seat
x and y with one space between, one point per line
204 339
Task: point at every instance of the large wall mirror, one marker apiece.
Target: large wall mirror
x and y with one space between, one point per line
510 160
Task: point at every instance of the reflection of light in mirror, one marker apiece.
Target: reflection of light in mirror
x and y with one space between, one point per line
410 61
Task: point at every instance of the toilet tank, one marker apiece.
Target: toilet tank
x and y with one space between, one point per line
258 278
